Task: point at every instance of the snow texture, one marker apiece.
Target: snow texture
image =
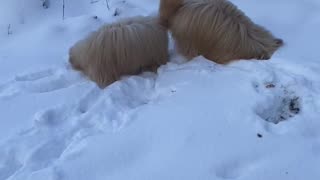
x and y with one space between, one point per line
248 120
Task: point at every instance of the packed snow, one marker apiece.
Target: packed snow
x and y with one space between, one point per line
249 120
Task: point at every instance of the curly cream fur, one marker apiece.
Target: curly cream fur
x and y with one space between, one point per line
216 29
123 48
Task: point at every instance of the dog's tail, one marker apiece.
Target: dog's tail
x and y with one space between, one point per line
167 9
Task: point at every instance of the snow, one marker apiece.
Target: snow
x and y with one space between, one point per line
247 120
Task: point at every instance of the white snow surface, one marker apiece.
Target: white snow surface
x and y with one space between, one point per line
196 120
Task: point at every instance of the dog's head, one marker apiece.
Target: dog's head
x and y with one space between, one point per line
270 48
78 56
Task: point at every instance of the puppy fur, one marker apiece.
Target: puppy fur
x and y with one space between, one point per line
217 30
126 47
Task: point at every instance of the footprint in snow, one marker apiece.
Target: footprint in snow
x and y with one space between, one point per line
43 81
236 168
281 104
8 164
58 130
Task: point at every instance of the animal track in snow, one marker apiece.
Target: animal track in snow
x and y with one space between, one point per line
43 81
280 106
8 165
33 76
234 169
58 130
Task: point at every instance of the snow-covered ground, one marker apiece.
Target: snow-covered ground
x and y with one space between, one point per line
197 120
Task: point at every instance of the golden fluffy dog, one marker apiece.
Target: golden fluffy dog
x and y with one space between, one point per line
126 47
217 30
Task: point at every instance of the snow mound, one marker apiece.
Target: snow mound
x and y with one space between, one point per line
247 120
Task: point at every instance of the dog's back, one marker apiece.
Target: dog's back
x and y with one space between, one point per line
122 48
218 30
